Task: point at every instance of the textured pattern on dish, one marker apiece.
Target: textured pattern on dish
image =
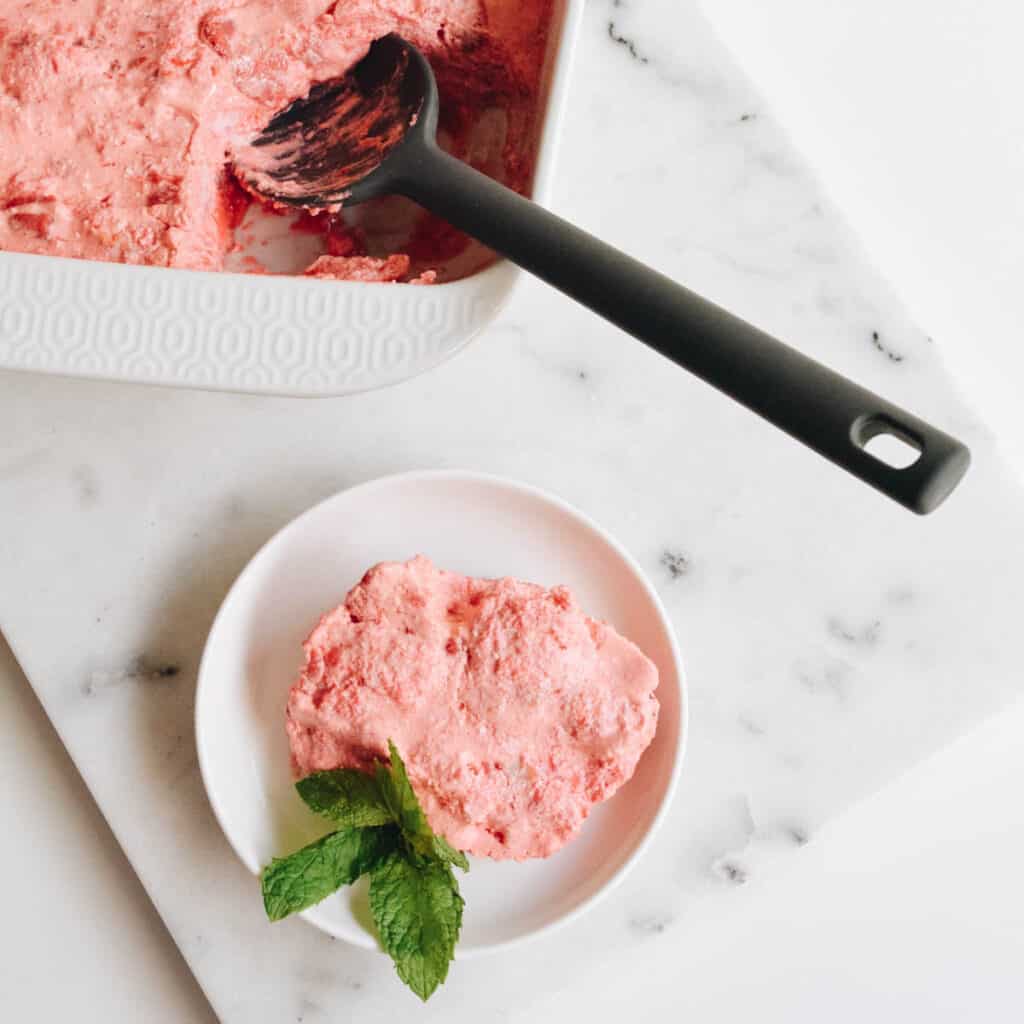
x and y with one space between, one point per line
233 332
253 333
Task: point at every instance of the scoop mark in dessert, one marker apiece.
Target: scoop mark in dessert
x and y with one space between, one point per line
82 175
893 357
626 42
865 637
676 564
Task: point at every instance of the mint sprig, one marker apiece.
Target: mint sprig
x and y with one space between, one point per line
414 896
397 792
418 912
295 883
349 798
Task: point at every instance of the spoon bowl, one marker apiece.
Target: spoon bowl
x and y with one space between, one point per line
346 141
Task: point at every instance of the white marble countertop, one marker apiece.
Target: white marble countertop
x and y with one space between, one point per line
832 640
851 930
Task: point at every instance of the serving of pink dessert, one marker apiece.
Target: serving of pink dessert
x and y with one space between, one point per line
515 713
118 117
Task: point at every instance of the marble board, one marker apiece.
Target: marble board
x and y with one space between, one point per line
831 638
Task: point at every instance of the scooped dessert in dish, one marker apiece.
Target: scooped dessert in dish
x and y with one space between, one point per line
515 712
118 118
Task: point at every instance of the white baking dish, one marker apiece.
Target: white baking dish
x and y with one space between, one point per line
243 332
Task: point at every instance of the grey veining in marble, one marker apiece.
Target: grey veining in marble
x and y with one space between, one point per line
831 639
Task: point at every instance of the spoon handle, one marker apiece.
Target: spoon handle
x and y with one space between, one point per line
812 403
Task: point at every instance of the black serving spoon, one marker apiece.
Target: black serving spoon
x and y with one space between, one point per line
372 133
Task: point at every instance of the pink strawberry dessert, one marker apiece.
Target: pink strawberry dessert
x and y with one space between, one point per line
515 713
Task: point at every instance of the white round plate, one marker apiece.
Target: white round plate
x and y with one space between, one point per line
481 526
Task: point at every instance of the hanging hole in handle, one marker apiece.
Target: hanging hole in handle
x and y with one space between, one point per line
884 440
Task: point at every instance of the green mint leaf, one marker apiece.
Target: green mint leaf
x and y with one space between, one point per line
346 796
445 852
418 912
304 878
398 794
